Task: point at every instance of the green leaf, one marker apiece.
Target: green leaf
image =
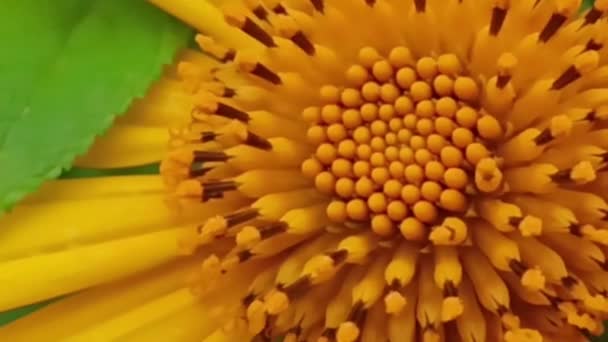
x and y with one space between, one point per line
68 68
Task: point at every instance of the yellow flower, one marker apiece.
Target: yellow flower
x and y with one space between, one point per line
344 171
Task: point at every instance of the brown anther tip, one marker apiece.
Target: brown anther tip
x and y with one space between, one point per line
258 10
279 9
257 141
420 5
319 5
302 41
498 18
543 137
555 23
593 16
265 73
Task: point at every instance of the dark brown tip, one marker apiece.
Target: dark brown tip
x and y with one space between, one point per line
517 267
420 5
279 9
303 43
569 281
258 33
592 45
395 285
449 289
210 156
575 229
605 214
260 70
195 173
213 190
544 137
298 288
561 176
241 216
515 221
248 299
338 256
257 141
502 81
554 24
229 93
260 12
593 16
272 229
357 313
330 333
319 5
498 19
231 112
591 116
229 56
245 255
208 136
569 76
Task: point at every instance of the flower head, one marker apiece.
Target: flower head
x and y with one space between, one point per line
403 168
381 170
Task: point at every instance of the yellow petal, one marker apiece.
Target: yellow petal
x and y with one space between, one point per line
126 146
44 228
147 314
40 277
77 312
91 211
97 187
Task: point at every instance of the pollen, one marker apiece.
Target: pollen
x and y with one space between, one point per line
391 170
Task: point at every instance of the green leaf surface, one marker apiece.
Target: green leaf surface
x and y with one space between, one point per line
67 68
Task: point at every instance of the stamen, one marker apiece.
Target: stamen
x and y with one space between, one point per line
555 23
214 190
279 9
210 156
420 5
319 5
241 21
255 140
499 13
303 43
584 63
221 53
506 63
249 65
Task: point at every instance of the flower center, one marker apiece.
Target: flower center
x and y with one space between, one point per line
403 144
